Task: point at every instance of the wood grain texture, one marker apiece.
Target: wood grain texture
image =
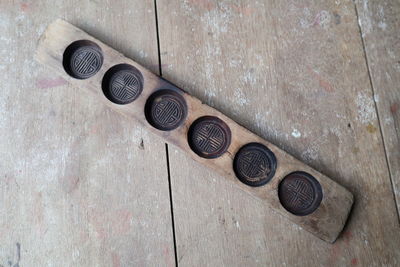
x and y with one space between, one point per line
326 222
73 188
295 73
307 48
380 26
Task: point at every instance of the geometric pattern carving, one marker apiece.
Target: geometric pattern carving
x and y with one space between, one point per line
255 164
85 62
209 137
125 86
300 193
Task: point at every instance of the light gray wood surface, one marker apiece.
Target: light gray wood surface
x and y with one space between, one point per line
295 73
380 27
78 185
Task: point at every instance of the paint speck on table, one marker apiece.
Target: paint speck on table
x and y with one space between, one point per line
371 128
296 133
354 261
365 108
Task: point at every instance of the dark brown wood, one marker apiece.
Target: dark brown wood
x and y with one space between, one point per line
82 59
209 137
255 164
300 193
166 110
122 84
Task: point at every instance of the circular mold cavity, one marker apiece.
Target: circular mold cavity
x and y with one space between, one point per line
300 193
166 110
122 84
82 59
209 137
254 164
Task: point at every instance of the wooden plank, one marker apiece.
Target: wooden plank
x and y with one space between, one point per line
295 73
326 221
73 188
379 22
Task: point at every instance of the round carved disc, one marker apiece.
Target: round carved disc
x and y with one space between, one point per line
254 164
124 86
166 110
300 193
209 137
85 62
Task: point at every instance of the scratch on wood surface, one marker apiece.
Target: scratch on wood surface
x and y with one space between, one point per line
38 212
7 55
116 260
45 83
322 19
322 81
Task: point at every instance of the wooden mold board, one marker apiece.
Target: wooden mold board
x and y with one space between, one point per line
326 222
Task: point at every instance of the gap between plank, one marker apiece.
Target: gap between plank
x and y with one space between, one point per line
171 204
158 39
376 108
166 145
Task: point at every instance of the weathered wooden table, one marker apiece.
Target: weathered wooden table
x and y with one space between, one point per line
82 186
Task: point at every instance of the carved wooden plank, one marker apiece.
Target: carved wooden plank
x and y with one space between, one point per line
171 113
